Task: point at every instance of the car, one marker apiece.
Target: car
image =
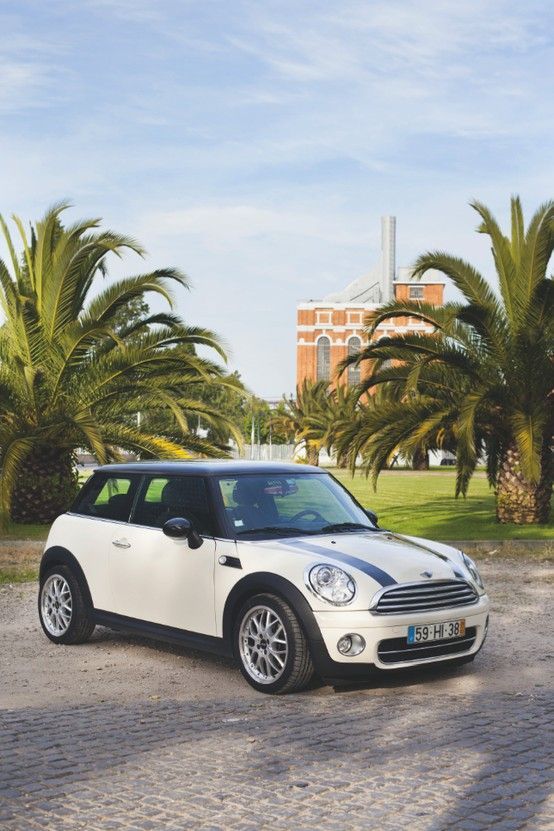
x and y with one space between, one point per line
274 564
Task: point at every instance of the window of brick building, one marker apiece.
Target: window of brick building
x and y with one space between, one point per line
354 372
416 292
323 359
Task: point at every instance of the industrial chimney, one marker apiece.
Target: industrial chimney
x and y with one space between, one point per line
388 257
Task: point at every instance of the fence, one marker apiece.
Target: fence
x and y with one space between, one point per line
266 452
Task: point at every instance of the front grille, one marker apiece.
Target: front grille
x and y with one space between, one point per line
425 597
398 650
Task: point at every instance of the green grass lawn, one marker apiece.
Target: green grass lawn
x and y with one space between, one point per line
410 502
423 504
24 531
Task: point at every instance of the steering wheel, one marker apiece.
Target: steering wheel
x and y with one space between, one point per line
308 511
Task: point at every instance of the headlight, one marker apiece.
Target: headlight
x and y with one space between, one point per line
332 584
472 568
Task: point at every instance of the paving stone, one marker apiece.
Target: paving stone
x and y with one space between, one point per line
338 763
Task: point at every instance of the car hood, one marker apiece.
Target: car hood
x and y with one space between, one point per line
385 557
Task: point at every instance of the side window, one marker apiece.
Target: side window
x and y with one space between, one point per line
107 497
165 497
416 293
354 372
323 359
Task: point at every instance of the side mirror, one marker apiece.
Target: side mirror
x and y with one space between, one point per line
373 517
180 528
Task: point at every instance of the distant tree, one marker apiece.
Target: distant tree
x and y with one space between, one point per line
135 310
304 418
343 404
259 416
280 433
230 398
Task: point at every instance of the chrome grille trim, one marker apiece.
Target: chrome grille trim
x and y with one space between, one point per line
420 597
428 593
398 650
461 641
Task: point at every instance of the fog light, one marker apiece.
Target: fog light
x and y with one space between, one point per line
351 644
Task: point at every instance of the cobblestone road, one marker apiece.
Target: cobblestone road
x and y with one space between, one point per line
459 751
324 763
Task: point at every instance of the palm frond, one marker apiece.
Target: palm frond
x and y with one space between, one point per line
505 265
467 279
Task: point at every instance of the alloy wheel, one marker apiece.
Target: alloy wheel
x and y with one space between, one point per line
263 644
56 605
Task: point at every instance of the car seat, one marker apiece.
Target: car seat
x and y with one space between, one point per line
186 498
254 508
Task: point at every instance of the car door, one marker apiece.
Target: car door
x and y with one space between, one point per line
161 579
98 517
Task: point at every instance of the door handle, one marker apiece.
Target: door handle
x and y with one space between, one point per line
121 543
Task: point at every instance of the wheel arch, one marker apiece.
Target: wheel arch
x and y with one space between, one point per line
57 555
265 582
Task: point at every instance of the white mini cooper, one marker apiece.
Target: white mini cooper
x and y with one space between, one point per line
274 564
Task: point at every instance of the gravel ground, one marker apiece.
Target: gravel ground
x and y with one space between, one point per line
124 733
112 665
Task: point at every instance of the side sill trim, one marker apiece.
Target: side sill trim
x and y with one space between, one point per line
194 640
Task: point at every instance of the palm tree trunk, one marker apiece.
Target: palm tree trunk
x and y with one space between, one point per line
46 486
342 461
312 454
518 500
420 460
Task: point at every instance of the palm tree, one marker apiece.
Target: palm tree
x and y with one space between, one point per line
341 407
304 418
482 381
73 375
317 417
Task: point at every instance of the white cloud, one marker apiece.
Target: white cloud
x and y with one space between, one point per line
31 72
224 225
255 145
361 40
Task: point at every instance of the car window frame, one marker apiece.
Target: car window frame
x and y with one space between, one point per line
104 477
147 478
221 513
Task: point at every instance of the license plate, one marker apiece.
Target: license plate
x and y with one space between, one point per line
437 631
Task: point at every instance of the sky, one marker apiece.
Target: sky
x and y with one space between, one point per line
255 145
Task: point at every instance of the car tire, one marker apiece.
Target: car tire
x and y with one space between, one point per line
271 647
64 614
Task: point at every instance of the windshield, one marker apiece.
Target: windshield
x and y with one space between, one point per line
262 505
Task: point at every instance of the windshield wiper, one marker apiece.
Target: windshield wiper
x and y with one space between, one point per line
346 526
273 529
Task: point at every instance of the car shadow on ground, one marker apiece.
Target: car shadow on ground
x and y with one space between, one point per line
378 679
398 678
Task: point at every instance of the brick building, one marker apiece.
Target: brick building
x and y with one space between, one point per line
329 329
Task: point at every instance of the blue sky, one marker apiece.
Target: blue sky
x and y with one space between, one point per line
256 144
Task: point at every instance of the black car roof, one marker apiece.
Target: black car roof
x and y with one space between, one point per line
210 467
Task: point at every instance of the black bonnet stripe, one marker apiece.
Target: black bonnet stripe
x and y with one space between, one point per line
376 573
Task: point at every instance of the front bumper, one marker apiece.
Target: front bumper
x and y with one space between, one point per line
377 628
